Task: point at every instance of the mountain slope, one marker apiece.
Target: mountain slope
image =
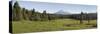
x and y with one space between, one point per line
61 12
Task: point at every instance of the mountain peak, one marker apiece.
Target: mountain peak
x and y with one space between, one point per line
62 12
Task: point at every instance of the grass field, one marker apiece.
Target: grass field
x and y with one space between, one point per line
53 25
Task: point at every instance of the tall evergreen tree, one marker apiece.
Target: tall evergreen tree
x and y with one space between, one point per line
25 17
17 11
33 11
32 17
81 18
29 14
44 12
44 16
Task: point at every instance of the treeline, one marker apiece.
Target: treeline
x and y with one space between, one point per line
84 16
19 13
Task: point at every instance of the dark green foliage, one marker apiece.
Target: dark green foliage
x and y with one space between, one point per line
33 15
52 17
33 11
24 12
81 17
44 16
17 15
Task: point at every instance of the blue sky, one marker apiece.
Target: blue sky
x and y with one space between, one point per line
54 7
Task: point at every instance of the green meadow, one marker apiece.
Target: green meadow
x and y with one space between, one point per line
53 25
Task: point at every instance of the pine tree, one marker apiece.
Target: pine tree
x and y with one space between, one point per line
44 16
25 17
32 17
81 18
17 11
33 11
